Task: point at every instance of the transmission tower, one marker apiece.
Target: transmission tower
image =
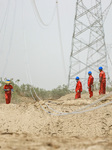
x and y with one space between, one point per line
88 42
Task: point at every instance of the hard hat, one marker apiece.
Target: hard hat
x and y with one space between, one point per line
77 78
89 72
100 68
7 81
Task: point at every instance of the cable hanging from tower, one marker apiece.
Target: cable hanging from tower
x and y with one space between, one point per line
60 38
37 14
5 16
59 30
11 40
106 11
79 111
28 73
5 26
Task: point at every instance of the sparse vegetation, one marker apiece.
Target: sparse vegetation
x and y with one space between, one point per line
27 90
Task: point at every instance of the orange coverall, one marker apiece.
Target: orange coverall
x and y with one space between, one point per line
90 84
102 79
8 93
78 89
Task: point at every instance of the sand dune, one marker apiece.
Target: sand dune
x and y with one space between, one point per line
26 126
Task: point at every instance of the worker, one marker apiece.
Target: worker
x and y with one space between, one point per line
90 84
78 88
8 88
102 80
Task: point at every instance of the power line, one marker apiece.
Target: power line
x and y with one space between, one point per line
38 16
81 110
24 39
6 12
11 40
60 37
106 11
29 76
59 29
60 113
5 26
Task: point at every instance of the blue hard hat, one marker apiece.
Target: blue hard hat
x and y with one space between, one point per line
77 78
89 72
8 80
100 68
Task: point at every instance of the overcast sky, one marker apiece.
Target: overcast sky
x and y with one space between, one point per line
25 42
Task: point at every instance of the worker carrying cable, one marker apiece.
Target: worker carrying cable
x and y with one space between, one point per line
8 88
78 88
102 80
90 84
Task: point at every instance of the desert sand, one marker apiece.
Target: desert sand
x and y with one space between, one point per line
25 126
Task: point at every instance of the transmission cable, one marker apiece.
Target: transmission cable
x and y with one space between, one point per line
26 63
5 26
61 113
59 29
6 12
60 37
74 112
37 14
106 11
11 40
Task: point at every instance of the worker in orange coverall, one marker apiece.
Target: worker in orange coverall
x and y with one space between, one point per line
78 88
8 89
102 80
90 84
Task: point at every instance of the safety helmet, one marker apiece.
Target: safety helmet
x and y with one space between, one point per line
89 72
7 81
100 68
77 78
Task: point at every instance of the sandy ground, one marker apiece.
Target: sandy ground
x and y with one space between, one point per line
25 126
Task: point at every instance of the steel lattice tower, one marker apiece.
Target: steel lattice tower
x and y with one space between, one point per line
88 43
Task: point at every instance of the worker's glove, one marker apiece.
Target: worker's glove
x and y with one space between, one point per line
8 89
12 90
78 91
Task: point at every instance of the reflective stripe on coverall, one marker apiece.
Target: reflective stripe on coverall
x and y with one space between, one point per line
78 90
90 84
8 93
102 79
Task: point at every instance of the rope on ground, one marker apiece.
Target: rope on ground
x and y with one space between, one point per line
92 104
80 112
76 112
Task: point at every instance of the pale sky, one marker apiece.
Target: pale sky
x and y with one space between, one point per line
21 33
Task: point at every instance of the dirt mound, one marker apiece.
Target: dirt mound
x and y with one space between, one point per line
74 131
